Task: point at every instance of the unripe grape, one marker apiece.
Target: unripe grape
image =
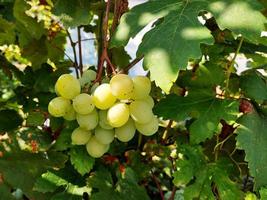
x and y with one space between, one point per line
80 136
83 104
126 132
118 114
89 121
149 100
95 148
121 86
142 87
87 77
103 121
59 106
140 111
149 128
103 98
70 114
104 136
68 86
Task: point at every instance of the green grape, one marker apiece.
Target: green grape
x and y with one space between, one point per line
89 121
118 114
59 106
95 148
140 111
121 86
104 136
87 77
103 98
93 88
68 86
83 104
126 132
149 128
80 136
142 87
149 100
70 114
103 121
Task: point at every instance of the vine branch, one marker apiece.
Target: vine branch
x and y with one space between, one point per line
74 53
104 55
158 185
229 69
131 64
80 51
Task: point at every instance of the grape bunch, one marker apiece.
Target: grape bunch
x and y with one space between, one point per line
113 110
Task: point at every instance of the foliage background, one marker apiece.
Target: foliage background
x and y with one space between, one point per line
212 140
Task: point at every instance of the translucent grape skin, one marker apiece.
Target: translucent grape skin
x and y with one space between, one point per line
142 87
104 136
59 106
80 136
140 111
118 114
121 86
95 148
83 104
126 132
149 128
87 77
103 121
68 86
103 98
149 100
70 114
89 121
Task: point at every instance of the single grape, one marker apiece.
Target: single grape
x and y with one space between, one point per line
118 114
70 114
104 136
121 86
80 136
68 86
149 128
126 132
103 121
59 106
89 121
103 98
149 100
87 77
95 148
141 111
83 104
142 87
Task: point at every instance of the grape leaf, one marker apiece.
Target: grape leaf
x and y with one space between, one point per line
5 192
182 32
9 120
190 160
33 28
252 137
263 193
211 174
201 105
30 167
81 160
7 32
254 85
73 13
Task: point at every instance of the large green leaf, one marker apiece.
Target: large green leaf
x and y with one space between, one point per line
20 169
7 32
81 160
254 85
182 32
73 13
252 137
213 173
207 110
